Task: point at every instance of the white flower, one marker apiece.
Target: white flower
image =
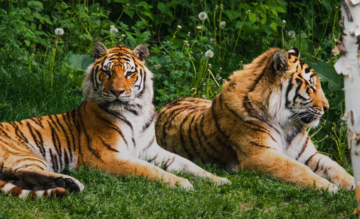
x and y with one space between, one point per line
179 27
188 34
209 53
59 31
291 34
204 96
185 41
222 24
202 16
303 35
157 67
113 30
284 22
199 28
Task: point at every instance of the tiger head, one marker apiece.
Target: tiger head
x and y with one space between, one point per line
302 98
118 77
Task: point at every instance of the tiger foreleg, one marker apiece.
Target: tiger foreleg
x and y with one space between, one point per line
172 162
325 167
124 166
285 169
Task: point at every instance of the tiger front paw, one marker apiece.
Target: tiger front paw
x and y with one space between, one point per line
220 180
345 181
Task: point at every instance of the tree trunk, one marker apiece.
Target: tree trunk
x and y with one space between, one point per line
348 65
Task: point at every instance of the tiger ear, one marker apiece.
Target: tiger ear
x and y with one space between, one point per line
280 60
141 52
99 50
295 52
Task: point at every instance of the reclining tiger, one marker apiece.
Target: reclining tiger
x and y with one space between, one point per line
258 122
112 130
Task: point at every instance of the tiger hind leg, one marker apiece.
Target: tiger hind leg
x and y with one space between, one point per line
9 188
39 177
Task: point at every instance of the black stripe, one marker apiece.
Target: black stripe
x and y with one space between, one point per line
308 160
66 118
19 133
38 122
183 144
249 124
52 120
39 142
88 138
56 143
317 165
288 89
66 136
119 116
167 164
204 149
53 161
107 145
149 122
150 143
304 147
114 127
259 145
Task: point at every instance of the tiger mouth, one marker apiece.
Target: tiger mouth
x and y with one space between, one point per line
309 119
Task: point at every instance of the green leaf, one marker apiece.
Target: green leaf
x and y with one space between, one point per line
27 42
280 9
47 20
129 12
273 26
144 4
274 12
232 14
28 17
326 73
35 4
37 15
79 61
252 17
162 7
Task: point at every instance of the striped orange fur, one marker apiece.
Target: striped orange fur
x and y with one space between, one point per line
257 123
112 130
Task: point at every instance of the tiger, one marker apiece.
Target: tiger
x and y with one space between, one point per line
258 123
112 130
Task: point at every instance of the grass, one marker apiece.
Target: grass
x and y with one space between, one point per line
251 195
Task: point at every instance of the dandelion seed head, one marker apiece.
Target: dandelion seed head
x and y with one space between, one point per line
157 67
59 31
113 30
303 36
209 53
291 34
222 25
203 15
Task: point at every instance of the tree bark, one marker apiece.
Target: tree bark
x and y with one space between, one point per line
348 65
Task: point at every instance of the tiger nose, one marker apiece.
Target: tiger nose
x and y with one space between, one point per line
117 92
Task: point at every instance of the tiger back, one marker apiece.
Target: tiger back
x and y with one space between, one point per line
112 130
258 122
